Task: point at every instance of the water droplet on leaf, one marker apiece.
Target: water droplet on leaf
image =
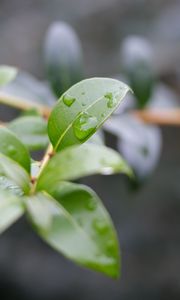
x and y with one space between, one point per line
112 101
84 126
107 171
91 205
68 100
100 226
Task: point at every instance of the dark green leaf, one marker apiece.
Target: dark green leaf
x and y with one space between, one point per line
11 209
137 61
78 161
7 74
83 109
13 148
32 131
141 80
63 57
74 221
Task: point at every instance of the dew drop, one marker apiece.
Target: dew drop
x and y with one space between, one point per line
106 168
84 126
107 171
91 205
100 226
103 115
68 100
112 101
11 149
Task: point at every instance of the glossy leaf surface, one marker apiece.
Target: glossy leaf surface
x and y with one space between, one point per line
74 221
83 109
75 162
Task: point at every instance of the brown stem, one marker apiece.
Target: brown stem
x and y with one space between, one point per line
159 117
24 104
48 154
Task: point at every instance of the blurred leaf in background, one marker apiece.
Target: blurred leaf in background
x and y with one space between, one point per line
136 60
7 74
139 144
63 57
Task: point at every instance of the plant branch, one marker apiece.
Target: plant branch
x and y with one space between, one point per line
159 117
23 104
48 154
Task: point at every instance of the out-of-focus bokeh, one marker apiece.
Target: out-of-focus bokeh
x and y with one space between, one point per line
147 218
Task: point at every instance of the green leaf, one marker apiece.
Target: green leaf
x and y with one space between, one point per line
83 109
13 148
63 57
74 221
7 184
32 131
14 173
7 74
11 209
142 81
75 162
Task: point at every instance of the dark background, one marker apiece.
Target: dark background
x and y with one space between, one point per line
148 220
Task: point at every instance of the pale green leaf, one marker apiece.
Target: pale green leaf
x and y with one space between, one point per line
7 74
32 131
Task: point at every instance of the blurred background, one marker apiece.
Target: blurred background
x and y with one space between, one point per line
147 216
